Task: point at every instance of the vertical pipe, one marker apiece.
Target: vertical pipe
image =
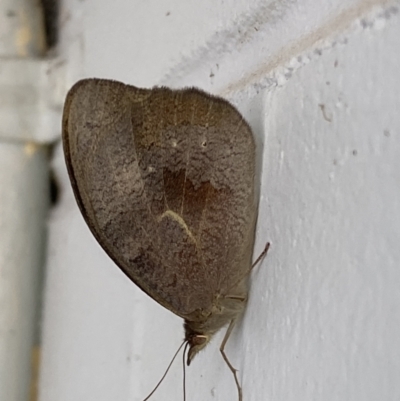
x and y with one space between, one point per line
24 196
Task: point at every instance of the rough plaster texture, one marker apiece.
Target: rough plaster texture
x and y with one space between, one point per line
221 46
326 312
323 317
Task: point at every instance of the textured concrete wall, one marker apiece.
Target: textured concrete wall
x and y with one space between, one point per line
319 84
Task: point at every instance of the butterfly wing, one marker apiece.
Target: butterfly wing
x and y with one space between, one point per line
165 182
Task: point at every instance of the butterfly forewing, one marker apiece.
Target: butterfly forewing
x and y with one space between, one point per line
165 181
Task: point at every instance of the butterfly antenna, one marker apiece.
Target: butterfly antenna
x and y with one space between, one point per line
165 373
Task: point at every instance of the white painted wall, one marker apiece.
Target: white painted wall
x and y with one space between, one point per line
320 84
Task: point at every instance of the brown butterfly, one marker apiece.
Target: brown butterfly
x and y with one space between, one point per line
165 181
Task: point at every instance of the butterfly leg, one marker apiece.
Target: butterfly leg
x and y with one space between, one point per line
222 350
262 255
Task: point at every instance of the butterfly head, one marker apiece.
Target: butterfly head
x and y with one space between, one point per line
196 342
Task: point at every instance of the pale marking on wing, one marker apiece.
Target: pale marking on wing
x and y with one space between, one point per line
179 220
